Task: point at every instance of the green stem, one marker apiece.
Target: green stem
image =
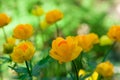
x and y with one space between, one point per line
75 67
57 30
108 52
29 72
1 76
5 35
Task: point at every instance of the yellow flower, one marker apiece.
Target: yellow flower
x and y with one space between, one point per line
53 16
24 51
4 19
37 11
65 50
23 31
114 33
105 40
43 25
9 45
94 76
81 72
105 69
87 41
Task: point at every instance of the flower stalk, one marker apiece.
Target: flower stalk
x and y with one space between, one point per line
76 71
5 35
29 72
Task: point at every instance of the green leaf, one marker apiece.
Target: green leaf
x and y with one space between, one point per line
5 59
39 65
19 69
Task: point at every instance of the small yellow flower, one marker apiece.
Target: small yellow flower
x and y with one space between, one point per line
94 76
114 33
44 25
53 16
37 11
81 72
9 45
24 51
4 19
23 31
65 50
105 69
87 41
105 40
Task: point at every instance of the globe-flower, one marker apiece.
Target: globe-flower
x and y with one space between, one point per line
43 25
23 31
94 75
114 33
105 40
24 51
105 69
87 41
4 19
53 16
9 45
37 11
65 50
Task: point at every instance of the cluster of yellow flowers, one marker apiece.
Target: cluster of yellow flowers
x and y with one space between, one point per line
25 49
65 50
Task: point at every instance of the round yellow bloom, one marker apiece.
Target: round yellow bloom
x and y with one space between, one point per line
53 16
4 19
65 50
9 45
114 33
87 41
23 31
43 25
105 40
24 51
105 69
37 11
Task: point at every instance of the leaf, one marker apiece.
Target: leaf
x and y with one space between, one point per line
39 65
5 59
21 77
19 69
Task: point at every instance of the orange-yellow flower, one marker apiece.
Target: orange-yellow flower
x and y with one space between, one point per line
53 16
4 19
114 33
23 31
9 45
24 51
65 50
87 41
105 69
37 11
